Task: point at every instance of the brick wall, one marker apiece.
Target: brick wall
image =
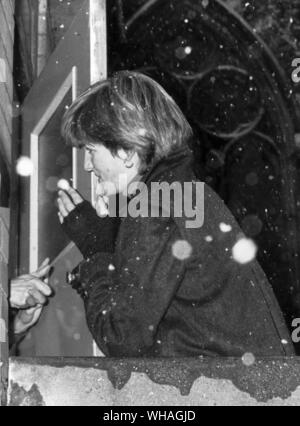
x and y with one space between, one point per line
6 120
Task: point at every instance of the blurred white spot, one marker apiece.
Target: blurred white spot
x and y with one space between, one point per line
142 132
248 359
284 342
182 52
3 78
111 267
77 336
182 250
209 239
25 167
151 327
63 184
225 228
244 251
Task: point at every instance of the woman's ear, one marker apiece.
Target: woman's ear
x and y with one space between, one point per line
130 158
124 155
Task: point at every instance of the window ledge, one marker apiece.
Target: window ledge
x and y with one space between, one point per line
153 382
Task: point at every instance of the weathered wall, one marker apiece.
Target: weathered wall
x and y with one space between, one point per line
6 74
6 129
192 382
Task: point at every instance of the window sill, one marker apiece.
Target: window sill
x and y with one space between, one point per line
153 382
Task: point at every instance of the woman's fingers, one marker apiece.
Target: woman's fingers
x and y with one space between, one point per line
102 206
76 197
61 218
62 209
66 202
100 190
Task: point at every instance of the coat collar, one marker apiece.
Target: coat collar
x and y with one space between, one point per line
180 157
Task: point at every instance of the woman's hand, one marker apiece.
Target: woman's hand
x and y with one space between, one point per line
30 290
67 202
69 199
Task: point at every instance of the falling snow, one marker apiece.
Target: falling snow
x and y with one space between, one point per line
182 250
25 167
142 132
63 184
248 359
225 228
244 251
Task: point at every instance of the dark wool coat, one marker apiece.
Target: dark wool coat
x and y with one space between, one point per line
141 300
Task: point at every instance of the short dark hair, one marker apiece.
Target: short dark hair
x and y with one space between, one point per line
130 111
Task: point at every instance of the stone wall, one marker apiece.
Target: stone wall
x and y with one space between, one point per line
149 382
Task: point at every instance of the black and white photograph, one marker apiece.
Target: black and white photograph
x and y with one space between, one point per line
149 206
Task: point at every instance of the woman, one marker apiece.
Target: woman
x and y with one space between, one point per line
153 286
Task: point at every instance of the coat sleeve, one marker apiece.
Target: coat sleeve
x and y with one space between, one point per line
89 232
126 302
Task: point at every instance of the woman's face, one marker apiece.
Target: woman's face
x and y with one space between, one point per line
111 171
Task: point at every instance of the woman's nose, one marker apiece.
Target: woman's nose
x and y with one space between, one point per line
88 166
